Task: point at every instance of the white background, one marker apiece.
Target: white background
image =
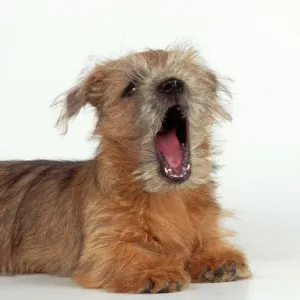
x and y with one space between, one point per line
45 44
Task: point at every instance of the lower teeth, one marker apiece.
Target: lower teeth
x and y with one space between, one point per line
184 170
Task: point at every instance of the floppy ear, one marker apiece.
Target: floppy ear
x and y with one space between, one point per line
87 91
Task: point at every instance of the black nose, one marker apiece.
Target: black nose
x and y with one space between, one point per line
172 86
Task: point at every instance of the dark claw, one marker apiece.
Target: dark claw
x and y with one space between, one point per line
167 288
218 272
233 270
178 287
164 290
148 289
233 265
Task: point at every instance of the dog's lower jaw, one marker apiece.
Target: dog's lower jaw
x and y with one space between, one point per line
200 166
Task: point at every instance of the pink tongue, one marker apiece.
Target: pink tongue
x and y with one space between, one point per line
168 144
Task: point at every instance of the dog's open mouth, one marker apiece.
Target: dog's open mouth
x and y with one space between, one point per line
172 145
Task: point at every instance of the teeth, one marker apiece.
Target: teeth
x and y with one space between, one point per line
169 170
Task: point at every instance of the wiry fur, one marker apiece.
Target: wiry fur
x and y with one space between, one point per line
114 222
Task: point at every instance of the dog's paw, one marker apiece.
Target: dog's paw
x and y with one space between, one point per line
220 265
158 277
227 272
166 282
168 286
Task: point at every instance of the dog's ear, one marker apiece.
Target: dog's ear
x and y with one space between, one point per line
87 91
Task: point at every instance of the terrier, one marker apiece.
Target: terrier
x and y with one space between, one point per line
142 215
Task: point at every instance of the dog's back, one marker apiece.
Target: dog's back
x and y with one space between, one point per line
38 218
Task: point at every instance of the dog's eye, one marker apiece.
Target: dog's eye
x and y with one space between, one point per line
130 89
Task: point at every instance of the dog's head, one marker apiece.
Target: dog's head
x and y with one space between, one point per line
159 105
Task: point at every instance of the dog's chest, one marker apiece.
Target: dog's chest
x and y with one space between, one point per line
171 225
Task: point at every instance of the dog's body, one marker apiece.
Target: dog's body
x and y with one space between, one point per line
142 215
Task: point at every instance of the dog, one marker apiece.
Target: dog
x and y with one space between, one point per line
142 215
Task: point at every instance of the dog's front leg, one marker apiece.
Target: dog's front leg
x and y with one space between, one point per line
130 268
219 262
213 258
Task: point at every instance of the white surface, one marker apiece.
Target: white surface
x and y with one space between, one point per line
276 280
44 45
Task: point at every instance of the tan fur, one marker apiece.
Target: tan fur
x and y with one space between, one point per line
114 222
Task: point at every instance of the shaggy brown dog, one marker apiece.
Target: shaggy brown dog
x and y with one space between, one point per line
142 215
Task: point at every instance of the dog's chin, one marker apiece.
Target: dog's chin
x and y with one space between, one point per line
173 145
